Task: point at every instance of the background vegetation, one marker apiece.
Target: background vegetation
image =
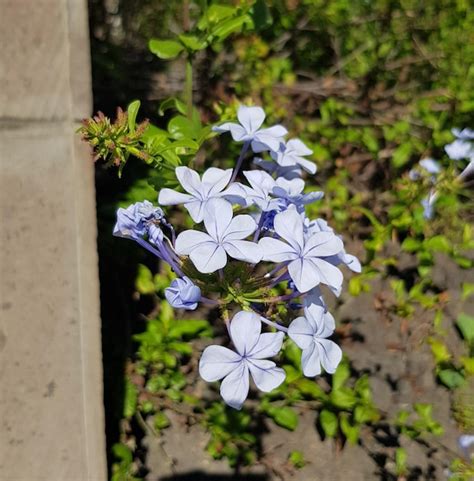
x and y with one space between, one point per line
372 87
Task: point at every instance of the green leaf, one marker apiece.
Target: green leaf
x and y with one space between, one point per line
401 155
310 388
192 42
132 111
341 375
451 378
189 328
181 127
401 461
439 351
284 416
172 103
350 431
329 423
165 49
261 15
130 399
343 398
465 324
144 283
410 244
225 28
296 458
161 421
437 243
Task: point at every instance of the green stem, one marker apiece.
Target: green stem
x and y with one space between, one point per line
188 88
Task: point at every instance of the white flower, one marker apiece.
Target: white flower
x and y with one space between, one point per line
310 333
218 362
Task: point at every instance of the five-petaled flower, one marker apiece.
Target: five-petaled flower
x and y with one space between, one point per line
307 266
310 333
200 192
253 347
249 131
224 236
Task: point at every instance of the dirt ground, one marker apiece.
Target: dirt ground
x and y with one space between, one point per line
395 354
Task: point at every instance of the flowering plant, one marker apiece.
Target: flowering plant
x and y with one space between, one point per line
253 253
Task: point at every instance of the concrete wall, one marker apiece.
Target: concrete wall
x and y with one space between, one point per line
51 410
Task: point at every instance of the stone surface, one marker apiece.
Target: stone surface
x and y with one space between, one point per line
51 410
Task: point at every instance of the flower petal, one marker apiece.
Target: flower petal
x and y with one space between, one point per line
275 250
268 345
245 329
299 147
307 165
301 332
289 226
189 179
244 250
208 257
330 354
189 240
240 227
322 244
235 387
217 362
310 361
217 217
265 374
251 118
173 197
328 274
304 274
196 210
214 180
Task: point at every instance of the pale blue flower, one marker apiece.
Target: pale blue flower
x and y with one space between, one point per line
292 153
465 441
249 131
350 261
208 251
310 334
218 362
211 186
183 294
430 165
463 146
258 194
428 205
307 267
134 221
290 172
291 192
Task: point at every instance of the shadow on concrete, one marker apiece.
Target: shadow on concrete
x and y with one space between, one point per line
202 476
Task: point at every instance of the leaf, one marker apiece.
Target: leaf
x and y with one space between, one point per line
130 399
311 389
341 375
261 15
437 243
165 49
350 432
401 155
172 103
189 328
296 458
451 378
439 351
401 461
284 416
225 28
329 423
343 398
181 127
410 244
465 324
161 421
132 111
192 42
144 283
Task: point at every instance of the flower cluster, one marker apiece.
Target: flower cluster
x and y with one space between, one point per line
462 148
245 221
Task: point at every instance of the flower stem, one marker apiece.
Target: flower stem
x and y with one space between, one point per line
239 161
274 324
188 88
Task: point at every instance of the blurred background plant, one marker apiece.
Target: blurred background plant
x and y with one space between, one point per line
373 88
